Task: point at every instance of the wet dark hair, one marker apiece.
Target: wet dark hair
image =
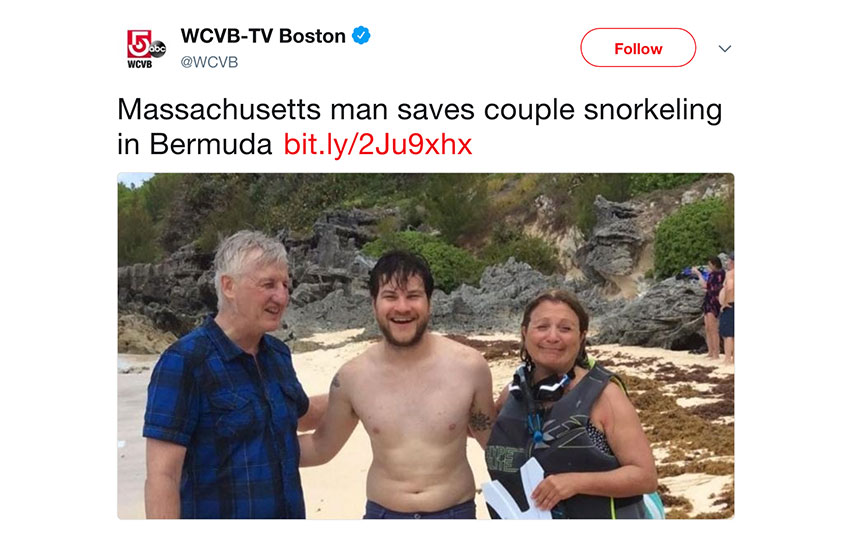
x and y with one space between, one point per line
399 266
714 260
556 296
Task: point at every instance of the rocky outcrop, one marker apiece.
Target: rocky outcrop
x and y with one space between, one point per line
172 294
177 293
615 243
498 303
138 335
668 315
330 259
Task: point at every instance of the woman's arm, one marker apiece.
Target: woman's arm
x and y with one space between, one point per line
698 274
499 403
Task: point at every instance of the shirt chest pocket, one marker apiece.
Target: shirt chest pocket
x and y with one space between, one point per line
290 404
236 414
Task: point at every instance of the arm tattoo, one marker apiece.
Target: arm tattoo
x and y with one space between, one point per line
479 421
336 383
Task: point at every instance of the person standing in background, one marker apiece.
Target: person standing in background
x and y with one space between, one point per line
711 303
727 315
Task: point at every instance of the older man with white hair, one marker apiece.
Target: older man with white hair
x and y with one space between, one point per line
224 401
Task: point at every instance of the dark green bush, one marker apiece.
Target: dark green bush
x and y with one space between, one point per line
724 224
508 242
451 266
158 194
641 183
238 214
689 236
456 205
574 194
614 187
137 236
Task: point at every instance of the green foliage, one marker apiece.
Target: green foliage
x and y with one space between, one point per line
641 183
137 236
451 266
203 206
412 214
171 210
689 236
574 194
456 205
239 213
295 201
158 193
126 196
724 224
580 207
509 242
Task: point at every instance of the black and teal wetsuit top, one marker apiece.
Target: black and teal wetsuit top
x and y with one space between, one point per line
568 446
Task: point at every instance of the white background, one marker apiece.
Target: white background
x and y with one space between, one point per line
784 89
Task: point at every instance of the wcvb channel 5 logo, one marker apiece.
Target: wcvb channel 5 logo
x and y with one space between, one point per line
140 48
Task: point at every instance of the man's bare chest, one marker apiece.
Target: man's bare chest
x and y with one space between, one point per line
425 406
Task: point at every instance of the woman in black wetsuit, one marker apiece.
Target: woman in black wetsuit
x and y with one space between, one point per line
572 416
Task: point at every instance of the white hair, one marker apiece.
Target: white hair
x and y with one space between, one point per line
232 256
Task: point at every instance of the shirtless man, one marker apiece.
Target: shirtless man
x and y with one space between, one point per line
727 314
417 394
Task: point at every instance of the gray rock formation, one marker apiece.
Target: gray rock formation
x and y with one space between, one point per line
340 309
330 259
668 315
173 294
615 243
177 293
496 305
504 291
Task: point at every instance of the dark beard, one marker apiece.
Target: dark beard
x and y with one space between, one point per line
419 333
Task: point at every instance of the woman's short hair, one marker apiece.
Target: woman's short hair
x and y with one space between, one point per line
234 252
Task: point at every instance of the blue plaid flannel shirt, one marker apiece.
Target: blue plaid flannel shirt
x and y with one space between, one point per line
237 421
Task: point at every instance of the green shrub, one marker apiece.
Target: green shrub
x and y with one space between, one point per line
724 224
237 215
451 266
507 242
641 183
688 237
614 187
574 194
158 194
457 205
137 236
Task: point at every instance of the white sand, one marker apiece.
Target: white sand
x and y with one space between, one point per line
334 337
692 402
337 489
698 488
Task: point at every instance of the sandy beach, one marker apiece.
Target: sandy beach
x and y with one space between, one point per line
692 392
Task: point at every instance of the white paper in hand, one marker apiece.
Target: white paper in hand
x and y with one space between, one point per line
503 504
